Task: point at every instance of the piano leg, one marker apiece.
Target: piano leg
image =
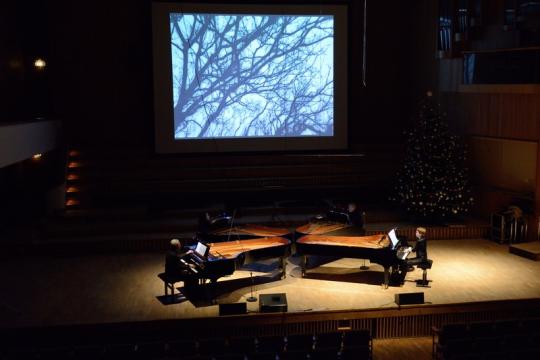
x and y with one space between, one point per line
303 263
386 277
283 267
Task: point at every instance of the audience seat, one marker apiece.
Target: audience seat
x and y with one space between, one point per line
275 344
263 356
356 338
231 356
295 355
56 353
150 350
329 340
355 352
119 351
482 329
182 348
486 344
530 325
509 339
336 345
212 346
242 345
89 352
299 343
325 354
508 327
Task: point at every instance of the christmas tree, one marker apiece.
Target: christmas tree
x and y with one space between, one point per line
433 182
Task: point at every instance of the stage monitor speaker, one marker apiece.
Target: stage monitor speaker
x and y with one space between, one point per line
233 308
272 303
410 298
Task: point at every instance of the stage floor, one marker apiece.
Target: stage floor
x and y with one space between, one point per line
48 290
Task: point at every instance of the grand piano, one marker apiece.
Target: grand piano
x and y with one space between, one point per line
223 258
325 238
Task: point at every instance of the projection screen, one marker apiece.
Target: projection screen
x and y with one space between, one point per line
249 77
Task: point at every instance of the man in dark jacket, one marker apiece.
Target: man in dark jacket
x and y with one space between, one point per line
173 266
355 217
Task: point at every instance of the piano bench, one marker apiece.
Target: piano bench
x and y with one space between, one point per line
424 282
169 282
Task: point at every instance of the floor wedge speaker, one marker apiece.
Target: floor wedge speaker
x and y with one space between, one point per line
410 298
272 303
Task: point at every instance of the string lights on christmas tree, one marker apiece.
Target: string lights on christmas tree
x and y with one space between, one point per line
433 183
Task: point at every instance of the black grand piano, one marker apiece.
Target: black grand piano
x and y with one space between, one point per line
325 238
214 260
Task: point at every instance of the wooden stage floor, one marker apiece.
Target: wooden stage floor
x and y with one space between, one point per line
48 290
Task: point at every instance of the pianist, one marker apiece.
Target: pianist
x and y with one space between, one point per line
355 216
203 227
174 267
420 248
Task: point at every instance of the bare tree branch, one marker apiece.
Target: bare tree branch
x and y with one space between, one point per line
252 75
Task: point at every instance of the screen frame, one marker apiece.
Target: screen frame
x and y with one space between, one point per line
164 140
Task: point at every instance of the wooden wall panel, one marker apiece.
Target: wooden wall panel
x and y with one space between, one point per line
499 115
518 116
509 116
502 163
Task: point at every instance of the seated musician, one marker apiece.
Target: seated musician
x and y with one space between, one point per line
174 267
203 226
420 248
356 216
207 223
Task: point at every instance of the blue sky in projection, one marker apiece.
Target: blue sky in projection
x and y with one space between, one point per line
252 76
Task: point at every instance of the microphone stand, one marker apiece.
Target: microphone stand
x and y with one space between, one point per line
364 266
251 298
232 224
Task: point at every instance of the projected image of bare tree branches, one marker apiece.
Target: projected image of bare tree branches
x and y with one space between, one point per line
240 75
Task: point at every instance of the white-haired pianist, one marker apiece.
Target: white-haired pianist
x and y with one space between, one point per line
173 266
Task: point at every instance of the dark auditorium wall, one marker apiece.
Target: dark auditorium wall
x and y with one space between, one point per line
98 83
24 91
28 189
101 63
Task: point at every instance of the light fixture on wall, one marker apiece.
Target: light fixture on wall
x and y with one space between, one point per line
40 64
72 202
74 164
36 156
